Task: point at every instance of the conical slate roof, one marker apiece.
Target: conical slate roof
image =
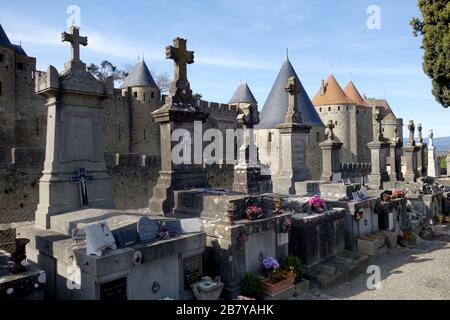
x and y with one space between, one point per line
4 41
276 105
353 93
242 94
331 93
139 76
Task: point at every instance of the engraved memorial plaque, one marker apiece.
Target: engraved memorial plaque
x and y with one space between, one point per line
192 271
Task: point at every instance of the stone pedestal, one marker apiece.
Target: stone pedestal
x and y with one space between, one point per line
409 163
421 161
175 175
293 168
433 165
74 142
331 159
378 153
394 160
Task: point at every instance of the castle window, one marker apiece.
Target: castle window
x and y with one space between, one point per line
135 94
145 135
339 108
152 95
347 108
143 96
0 88
320 109
270 138
329 108
2 56
317 136
335 123
357 111
19 66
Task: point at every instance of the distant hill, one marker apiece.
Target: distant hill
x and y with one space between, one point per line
442 144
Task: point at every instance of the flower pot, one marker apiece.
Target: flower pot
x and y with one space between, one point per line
275 288
207 289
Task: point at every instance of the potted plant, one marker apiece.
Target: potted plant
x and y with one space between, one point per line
278 279
294 263
252 286
254 212
207 289
316 204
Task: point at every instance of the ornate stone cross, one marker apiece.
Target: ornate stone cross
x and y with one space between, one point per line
293 90
377 134
329 130
76 40
411 128
419 130
181 57
82 179
430 138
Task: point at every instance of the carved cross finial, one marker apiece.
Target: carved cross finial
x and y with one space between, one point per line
419 130
181 57
329 130
76 40
411 128
293 90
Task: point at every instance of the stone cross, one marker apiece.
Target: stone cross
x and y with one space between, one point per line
293 90
431 136
377 135
82 179
181 57
411 128
419 130
329 130
76 40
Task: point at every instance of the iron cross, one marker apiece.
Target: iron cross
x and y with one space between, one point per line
181 57
82 179
76 40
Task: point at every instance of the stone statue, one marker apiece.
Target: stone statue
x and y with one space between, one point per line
411 128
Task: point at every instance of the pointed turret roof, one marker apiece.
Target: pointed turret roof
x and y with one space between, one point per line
139 76
242 94
4 40
353 93
276 105
331 93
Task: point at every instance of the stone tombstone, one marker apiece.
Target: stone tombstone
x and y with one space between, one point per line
98 238
409 158
74 137
379 149
180 112
147 229
331 155
190 225
365 223
78 236
125 236
433 164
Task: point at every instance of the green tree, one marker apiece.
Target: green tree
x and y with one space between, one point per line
435 29
106 69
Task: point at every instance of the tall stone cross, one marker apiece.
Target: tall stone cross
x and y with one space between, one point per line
377 134
411 128
76 40
329 130
419 130
293 90
430 138
181 57
82 179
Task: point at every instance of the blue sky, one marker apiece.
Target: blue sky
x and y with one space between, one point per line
246 40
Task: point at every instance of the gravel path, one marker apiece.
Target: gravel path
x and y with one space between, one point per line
406 274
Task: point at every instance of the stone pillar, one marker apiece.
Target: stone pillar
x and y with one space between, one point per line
74 139
181 114
331 154
433 165
293 142
409 158
394 159
421 163
247 173
379 148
